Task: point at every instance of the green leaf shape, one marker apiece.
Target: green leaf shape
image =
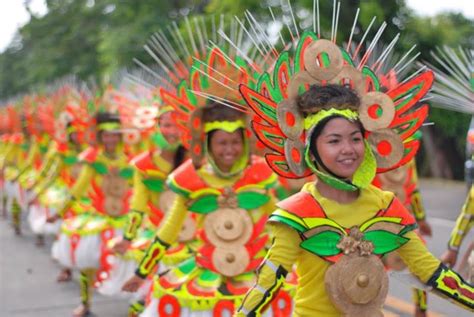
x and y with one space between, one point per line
367 72
209 276
70 160
187 266
385 241
43 149
252 200
126 173
100 168
205 204
154 184
323 244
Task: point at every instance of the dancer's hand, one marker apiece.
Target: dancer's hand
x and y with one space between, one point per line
121 247
424 227
53 218
133 284
449 258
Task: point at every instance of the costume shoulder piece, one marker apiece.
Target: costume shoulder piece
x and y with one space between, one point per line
144 162
152 176
258 173
322 235
89 155
185 180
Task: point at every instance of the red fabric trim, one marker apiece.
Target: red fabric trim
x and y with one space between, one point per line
144 162
186 177
89 155
397 210
256 173
302 205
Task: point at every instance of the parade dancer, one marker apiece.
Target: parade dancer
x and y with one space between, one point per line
337 228
105 178
150 202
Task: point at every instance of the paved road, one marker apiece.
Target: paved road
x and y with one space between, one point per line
28 287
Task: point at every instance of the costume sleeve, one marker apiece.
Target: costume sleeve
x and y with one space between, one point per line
273 270
167 235
138 207
80 187
28 164
416 203
270 206
464 222
48 173
429 270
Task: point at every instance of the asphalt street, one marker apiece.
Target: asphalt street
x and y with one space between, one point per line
27 273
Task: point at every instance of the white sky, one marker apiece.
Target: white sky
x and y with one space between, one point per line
13 15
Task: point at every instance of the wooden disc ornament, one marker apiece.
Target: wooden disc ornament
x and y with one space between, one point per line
387 147
228 227
294 150
188 230
352 77
166 200
231 260
312 57
288 113
357 285
376 110
300 79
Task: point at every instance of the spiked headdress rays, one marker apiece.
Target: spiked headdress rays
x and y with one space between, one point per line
197 75
454 85
388 118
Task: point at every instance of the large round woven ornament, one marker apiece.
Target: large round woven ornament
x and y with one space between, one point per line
376 110
357 285
294 152
166 200
315 51
228 227
387 147
352 77
291 121
188 230
300 79
230 261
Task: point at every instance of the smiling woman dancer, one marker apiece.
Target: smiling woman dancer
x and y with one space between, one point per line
337 228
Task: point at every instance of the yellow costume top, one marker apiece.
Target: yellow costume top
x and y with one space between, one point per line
288 249
150 196
105 180
464 222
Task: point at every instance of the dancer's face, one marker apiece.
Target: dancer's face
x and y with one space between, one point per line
110 140
341 147
168 128
226 148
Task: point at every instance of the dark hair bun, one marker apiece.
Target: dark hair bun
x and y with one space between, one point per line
104 117
218 112
319 97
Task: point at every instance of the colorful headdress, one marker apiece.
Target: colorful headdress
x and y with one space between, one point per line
454 85
200 76
389 119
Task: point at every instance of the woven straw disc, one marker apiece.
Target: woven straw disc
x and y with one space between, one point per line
228 227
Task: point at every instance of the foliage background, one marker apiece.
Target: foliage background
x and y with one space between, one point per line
95 39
